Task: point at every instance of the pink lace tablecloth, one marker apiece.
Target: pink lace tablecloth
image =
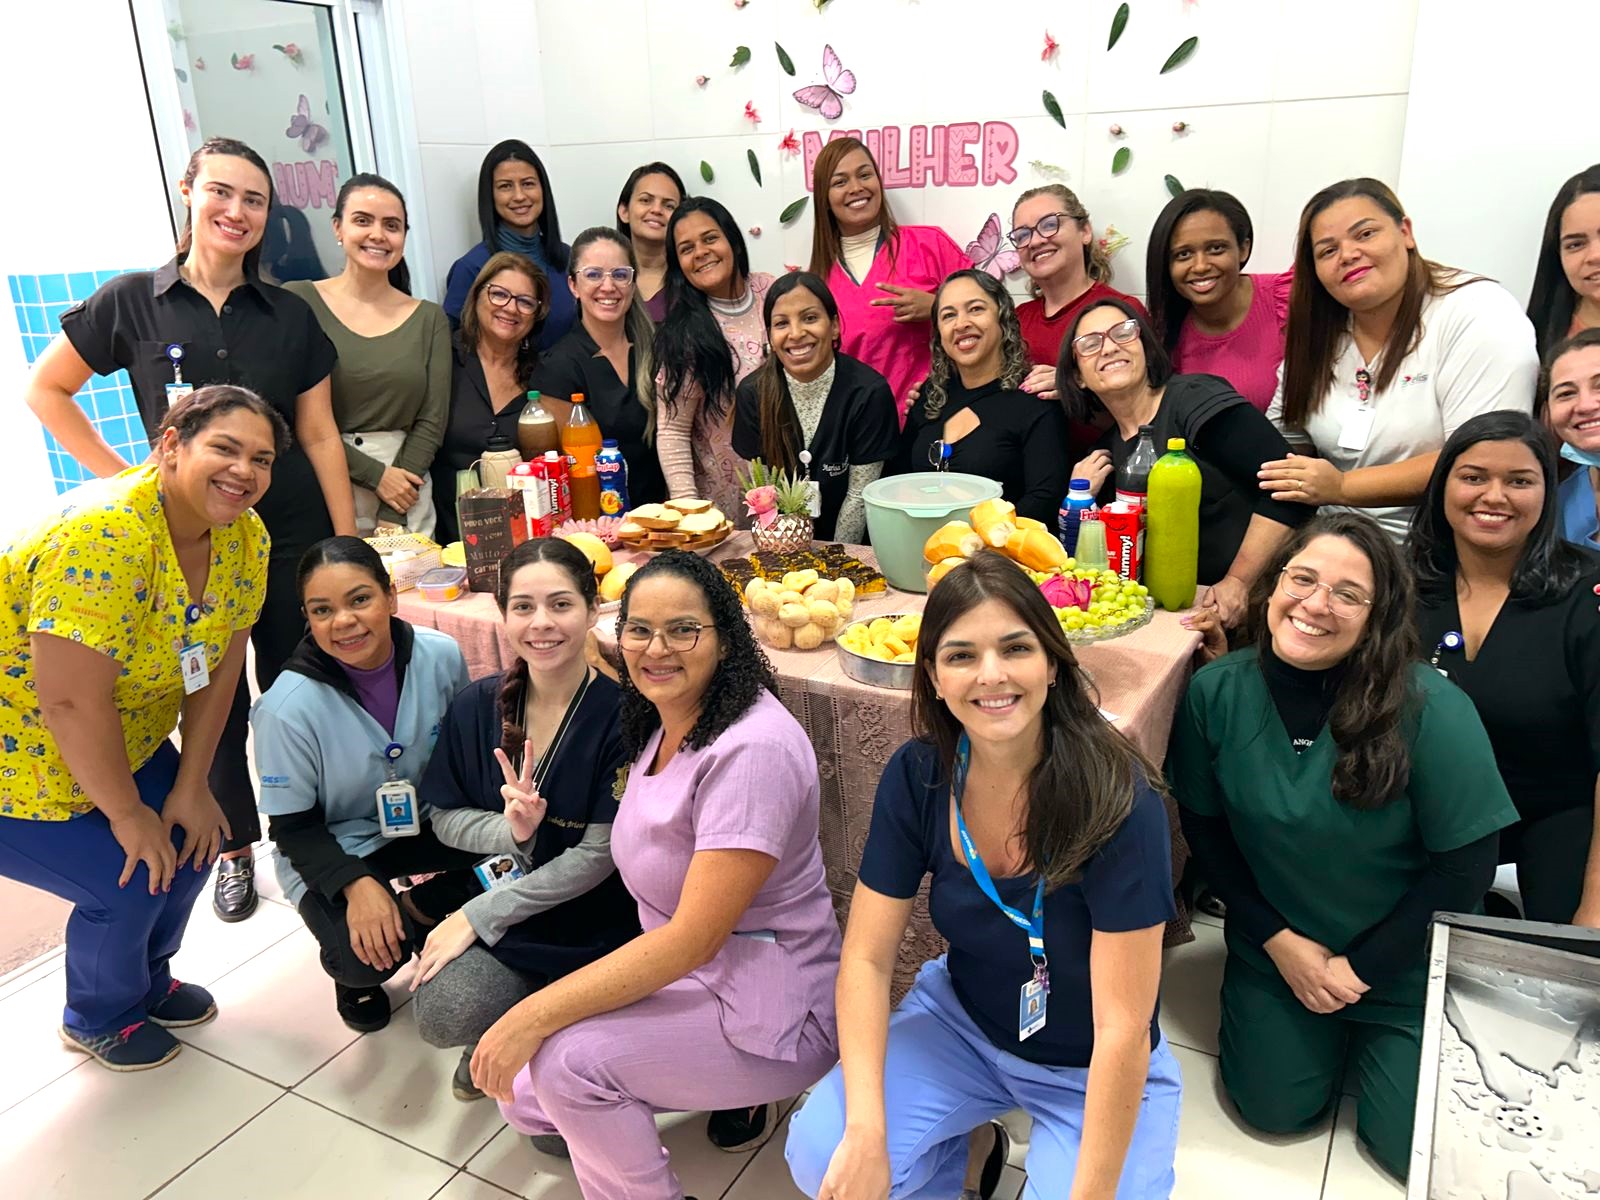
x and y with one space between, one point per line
855 728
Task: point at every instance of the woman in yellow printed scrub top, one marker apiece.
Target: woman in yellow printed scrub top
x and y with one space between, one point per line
124 608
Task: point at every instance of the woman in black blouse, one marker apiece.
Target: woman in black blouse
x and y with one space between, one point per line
1506 610
496 350
1111 357
970 401
607 357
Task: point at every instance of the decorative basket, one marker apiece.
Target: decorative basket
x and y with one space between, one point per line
788 533
408 556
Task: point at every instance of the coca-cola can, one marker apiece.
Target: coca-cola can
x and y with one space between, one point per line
1124 524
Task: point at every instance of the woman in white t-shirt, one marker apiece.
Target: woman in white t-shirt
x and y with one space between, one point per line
1388 353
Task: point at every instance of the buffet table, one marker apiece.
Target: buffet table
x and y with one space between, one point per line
855 728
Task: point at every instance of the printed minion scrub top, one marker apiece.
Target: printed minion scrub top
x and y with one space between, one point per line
103 571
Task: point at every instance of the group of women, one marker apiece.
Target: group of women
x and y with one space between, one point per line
622 908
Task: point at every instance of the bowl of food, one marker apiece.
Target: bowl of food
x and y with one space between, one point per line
881 651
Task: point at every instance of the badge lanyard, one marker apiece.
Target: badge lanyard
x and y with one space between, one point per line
397 798
177 389
1039 986
192 663
1452 640
542 768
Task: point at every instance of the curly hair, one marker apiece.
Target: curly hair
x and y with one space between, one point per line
1376 696
1014 361
741 675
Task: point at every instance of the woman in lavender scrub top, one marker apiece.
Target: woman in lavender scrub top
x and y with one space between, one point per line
726 999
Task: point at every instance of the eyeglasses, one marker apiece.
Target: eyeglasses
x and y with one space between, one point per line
1342 601
499 297
621 276
1121 333
681 637
1044 227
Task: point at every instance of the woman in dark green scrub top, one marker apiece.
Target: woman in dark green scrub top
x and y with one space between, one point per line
1336 792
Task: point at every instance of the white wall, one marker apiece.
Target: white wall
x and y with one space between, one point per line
1281 98
1497 121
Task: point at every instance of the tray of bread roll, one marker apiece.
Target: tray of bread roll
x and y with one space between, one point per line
687 524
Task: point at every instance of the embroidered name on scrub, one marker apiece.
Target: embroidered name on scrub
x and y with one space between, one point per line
192 658
397 799
1033 1003
177 389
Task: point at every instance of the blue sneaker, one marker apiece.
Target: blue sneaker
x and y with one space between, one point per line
184 1004
138 1047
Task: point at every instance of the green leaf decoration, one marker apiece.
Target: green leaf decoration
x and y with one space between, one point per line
183 76
755 167
1174 187
1120 160
1181 55
741 55
793 210
706 172
1054 109
784 60
1118 24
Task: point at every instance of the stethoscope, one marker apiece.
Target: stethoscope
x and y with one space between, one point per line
1451 641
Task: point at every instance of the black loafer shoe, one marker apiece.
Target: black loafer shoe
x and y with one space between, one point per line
739 1129
366 1010
234 897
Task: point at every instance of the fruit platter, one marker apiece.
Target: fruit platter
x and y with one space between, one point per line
1093 606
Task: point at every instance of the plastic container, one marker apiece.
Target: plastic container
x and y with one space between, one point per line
1079 500
1133 478
499 456
904 511
1091 554
613 470
537 433
1172 536
443 584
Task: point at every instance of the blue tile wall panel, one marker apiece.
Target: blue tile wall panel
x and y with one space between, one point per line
108 402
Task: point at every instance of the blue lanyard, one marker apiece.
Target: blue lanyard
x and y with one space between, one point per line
1034 926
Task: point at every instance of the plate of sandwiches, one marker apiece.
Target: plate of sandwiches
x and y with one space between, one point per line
688 524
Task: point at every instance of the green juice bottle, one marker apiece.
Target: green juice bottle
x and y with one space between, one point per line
1172 537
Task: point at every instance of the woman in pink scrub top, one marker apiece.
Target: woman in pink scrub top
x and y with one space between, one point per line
882 273
726 998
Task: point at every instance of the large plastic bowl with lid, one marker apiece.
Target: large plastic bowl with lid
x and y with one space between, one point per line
904 511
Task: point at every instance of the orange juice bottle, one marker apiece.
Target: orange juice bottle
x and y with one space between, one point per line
580 436
1172 536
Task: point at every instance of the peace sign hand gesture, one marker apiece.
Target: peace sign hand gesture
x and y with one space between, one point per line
524 806
910 304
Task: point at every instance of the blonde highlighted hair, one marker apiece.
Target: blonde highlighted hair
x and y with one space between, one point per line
1095 259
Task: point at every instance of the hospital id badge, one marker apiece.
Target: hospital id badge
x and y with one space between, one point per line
1031 1011
1357 429
813 498
196 671
397 809
501 870
178 391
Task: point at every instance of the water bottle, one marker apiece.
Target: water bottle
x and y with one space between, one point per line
1133 477
1079 500
1172 537
613 470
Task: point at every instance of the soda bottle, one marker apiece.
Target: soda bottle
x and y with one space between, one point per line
1133 477
580 437
613 471
585 492
1079 500
537 434
1172 539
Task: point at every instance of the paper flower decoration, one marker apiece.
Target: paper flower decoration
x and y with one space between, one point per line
1050 47
1115 131
750 113
243 62
1113 240
292 52
701 80
789 144
199 64
755 231
740 3
1180 126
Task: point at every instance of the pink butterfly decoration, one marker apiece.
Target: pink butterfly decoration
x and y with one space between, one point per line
301 126
828 98
992 252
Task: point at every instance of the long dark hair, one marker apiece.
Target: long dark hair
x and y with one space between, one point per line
1317 322
626 196
1375 695
827 246
743 673
1548 567
340 550
471 330
1014 362
1551 302
190 415
514 684
640 329
689 344
230 148
1082 790
513 150
1167 306
1078 400
781 436
399 274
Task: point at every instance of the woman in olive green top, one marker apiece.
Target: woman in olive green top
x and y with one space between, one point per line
391 387
1336 792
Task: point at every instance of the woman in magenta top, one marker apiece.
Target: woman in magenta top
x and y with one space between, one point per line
1212 317
883 274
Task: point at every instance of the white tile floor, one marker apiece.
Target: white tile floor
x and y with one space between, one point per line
277 1100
